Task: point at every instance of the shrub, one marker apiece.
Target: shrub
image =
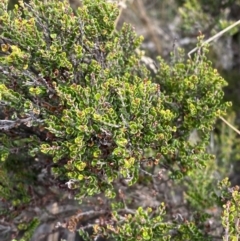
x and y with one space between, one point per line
77 102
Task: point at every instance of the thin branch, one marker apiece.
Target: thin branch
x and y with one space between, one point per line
127 210
230 125
91 213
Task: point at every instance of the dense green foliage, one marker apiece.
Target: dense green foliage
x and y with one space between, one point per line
75 94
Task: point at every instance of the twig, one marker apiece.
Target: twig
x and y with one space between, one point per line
91 213
127 210
230 125
8 124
